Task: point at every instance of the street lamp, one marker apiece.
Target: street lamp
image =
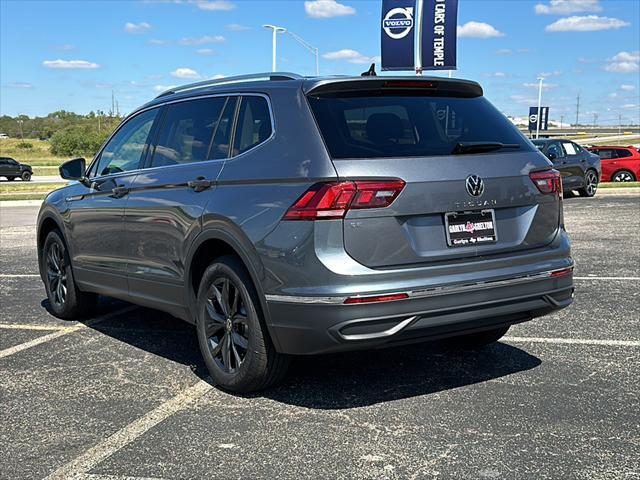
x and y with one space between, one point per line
539 103
275 30
311 48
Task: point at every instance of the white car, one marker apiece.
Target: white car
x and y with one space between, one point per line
3 136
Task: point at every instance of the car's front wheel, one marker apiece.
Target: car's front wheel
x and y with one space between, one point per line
232 334
26 176
65 299
623 176
479 339
590 184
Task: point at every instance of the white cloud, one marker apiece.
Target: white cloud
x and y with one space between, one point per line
65 47
216 5
547 86
555 73
185 73
567 7
478 30
586 23
20 85
141 27
218 76
351 56
624 62
522 99
202 40
207 52
497 74
327 9
70 64
627 88
163 88
157 41
630 105
237 27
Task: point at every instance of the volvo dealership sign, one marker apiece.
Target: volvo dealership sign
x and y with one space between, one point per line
533 118
419 34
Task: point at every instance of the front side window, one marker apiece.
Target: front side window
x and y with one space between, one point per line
254 124
187 130
126 148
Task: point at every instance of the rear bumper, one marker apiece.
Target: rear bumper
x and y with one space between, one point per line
313 325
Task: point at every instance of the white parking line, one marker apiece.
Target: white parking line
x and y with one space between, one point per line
88 460
19 326
573 341
46 338
100 476
606 278
19 275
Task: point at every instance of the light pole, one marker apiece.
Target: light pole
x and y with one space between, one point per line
311 48
539 103
276 30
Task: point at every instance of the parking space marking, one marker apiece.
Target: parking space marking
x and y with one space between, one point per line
19 275
606 278
79 467
63 331
19 326
99 476
573 341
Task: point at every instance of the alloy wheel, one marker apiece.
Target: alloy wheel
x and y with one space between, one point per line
592 183
56 274
623 177
227 327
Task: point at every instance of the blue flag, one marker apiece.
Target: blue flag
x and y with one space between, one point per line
398 34
439 34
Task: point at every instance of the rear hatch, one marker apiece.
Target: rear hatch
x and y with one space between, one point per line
468 191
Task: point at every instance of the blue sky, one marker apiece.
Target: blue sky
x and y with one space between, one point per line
72 54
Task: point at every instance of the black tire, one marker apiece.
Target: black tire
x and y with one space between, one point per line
66 301
479 339
11 179
232 334
26 176
623 176
590 184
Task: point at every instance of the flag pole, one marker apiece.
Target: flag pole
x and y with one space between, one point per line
417 22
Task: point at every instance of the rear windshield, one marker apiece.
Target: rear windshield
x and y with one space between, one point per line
410 126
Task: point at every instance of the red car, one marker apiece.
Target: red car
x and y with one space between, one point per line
619 164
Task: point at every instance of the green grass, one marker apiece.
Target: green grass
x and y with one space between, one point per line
619 185
40 155
26 187
22 196
45 171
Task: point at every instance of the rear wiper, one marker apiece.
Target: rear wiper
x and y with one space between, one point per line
479 147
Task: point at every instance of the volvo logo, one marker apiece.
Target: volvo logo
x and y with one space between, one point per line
475 185
398 22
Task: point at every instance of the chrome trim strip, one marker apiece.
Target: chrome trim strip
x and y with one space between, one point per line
421 293
385 333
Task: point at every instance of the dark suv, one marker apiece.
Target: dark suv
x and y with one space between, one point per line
11 169
285 215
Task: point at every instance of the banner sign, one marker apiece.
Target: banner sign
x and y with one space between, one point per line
533 118
398 34
439 34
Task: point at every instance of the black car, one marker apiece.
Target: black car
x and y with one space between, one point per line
11 169
580 169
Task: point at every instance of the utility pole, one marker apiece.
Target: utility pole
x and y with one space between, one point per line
561 121
577 109
619 124
539 103
595 119
113 104
276 30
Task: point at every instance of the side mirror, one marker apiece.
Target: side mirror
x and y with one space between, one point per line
74 170
552 156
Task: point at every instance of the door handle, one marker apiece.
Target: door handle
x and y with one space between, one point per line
119 191
199 184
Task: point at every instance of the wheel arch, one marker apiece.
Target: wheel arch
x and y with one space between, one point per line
46 224
633 175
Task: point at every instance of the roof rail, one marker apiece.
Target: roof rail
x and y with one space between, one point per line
254 77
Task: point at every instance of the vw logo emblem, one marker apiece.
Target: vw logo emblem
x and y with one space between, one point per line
475 185
398 22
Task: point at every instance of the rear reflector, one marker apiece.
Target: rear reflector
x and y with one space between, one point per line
376 298
332 200
562 273
547 181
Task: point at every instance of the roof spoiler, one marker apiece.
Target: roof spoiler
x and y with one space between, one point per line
426 85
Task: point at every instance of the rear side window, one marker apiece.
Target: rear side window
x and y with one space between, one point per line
606 154
409 126
186 132
622 153
254 124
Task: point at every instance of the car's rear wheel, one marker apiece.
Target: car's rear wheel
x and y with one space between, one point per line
26 176
479 339
590 184
65 299
623 176
232 334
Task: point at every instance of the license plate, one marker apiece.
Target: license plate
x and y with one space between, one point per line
470 228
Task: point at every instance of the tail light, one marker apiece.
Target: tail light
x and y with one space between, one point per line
561 273
376 298
547 181
332 200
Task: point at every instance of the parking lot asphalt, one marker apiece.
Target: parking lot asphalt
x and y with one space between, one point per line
124 395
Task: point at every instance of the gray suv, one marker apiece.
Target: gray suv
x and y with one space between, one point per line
285 215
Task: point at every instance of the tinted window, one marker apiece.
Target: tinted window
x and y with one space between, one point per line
222 136
555 149
186 132
606 154
254 124
623 153
126 148
407 126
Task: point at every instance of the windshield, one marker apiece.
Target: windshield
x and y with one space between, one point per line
410 126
